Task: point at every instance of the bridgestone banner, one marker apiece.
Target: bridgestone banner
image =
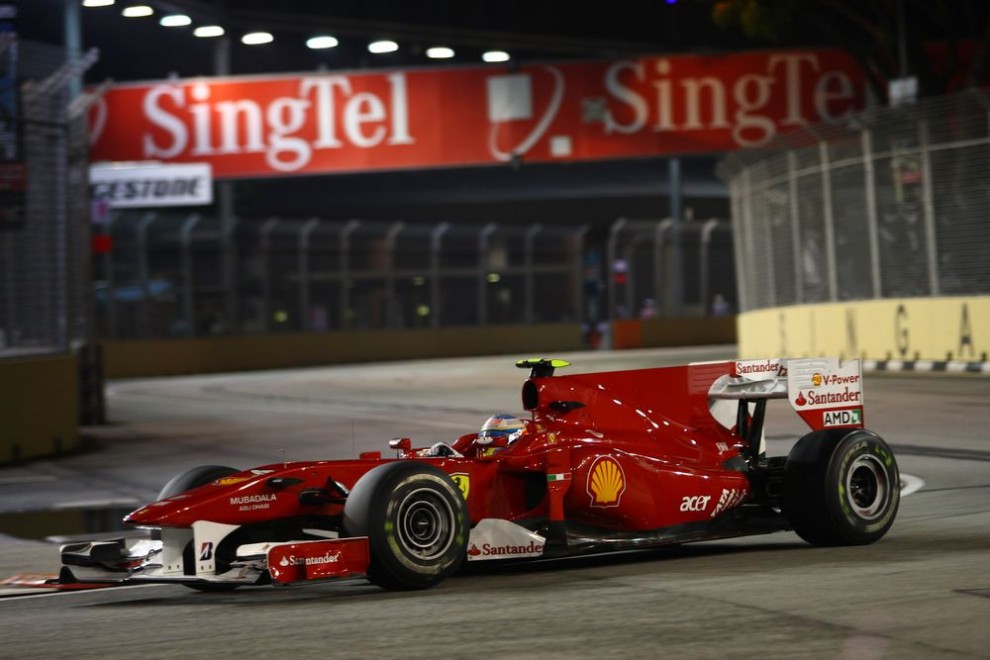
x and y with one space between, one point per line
263 126
151 185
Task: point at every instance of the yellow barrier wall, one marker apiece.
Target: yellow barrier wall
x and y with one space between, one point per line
39 407
898 329
130 358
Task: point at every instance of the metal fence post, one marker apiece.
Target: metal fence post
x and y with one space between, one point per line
747 247
931 238
659 264
143 227
613 239
8 335
228 247
304 302
436 237
579 274
833 276
391 320
185 243
108 277
483 236
705 277
792 193
628 254
872 220
345 272
265 244
529 287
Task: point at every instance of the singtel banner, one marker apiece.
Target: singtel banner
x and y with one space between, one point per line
337 122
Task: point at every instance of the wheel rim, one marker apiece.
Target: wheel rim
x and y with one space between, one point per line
425 524
867 487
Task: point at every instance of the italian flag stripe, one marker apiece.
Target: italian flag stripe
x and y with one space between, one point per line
559 477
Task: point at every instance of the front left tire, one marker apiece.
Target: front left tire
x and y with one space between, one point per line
416 522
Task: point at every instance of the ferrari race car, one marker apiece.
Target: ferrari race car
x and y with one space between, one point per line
604 461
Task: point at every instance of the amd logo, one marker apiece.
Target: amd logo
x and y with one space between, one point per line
842 417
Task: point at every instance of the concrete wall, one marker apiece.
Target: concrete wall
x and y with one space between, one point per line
130 358
937 329
145 357
656 333
39 407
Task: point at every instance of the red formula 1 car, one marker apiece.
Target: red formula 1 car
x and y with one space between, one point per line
607 461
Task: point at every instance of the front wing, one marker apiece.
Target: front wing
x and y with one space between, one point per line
165 559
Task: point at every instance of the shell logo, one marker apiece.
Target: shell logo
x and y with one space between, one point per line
606 482
816 380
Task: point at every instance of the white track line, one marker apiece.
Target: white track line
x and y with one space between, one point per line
910 484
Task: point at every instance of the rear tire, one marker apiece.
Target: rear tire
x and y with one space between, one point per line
416 522
841 488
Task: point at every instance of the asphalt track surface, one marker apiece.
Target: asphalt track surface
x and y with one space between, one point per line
921 592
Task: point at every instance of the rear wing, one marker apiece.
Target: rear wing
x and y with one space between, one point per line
824 392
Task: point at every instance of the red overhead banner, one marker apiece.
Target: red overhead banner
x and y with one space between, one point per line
346 122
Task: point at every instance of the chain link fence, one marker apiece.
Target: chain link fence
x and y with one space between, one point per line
44 207
892 203
668 268
175 274
182 275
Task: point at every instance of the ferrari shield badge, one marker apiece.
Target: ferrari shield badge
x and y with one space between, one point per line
463 481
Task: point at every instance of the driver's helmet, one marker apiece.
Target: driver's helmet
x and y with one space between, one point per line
498 432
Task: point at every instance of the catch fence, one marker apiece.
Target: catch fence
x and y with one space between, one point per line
180 275
44 212
890 203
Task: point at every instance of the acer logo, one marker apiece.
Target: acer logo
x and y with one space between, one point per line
695 502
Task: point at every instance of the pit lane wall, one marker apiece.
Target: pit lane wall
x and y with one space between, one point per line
948 329
148 357
39 407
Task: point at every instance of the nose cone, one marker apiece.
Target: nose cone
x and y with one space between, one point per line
201 503
165 513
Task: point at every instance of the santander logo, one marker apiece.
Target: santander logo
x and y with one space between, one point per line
328 558
489 550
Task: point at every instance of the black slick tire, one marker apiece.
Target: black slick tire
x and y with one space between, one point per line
841 488
416 522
